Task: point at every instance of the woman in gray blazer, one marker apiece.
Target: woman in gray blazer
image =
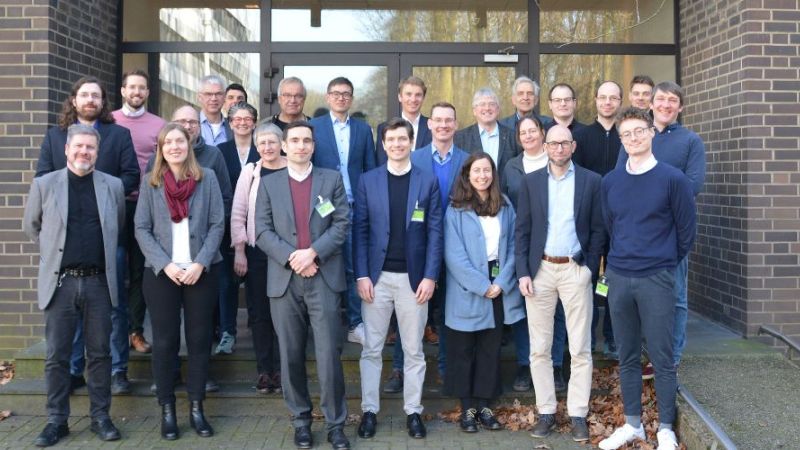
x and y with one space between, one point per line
179 222
482 292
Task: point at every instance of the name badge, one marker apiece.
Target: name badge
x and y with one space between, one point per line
418 215
324 207
602 287
495 271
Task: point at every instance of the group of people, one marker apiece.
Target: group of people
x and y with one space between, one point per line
526 221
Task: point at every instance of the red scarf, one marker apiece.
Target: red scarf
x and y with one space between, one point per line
177 194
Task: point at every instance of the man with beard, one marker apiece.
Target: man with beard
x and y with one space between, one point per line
88 104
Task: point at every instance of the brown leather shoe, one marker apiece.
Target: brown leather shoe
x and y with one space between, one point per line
139 343
430 336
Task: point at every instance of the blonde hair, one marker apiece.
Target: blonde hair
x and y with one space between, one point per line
190 167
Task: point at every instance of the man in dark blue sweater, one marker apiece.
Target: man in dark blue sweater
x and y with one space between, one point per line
649 211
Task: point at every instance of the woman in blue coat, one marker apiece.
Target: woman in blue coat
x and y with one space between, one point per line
482 292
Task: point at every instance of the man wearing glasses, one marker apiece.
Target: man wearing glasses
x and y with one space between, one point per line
559 239
292 99
649 212
344 143
486 134
214 128
563 104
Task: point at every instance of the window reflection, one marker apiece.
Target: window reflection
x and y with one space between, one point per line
152 20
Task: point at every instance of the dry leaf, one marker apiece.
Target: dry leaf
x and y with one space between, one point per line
4 415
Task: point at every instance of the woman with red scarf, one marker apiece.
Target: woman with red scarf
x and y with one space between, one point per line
179 225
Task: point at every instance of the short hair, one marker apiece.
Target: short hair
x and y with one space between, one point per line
297 124
291 80
642 79
444 105
484 92
670 87
236 87
212 79
340 80
236 107
81 129
524 79
413 81
558 85
196 112
268 128
633 113
137 73
536 122
597 89
395 123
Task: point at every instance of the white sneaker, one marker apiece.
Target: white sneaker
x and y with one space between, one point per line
226 344
622 436
667 440
356 335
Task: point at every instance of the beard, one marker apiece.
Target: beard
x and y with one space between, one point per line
88 114
135 102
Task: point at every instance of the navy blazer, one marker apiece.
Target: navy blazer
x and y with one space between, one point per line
231 156
531 228
424 240
115 156
423 158
470 140
423 138
326 153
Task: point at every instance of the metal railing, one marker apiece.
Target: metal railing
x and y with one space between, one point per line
768 329
712 425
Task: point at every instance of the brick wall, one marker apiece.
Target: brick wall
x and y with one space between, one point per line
44 52
740 64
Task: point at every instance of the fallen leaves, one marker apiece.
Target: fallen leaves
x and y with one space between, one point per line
6 372
4 415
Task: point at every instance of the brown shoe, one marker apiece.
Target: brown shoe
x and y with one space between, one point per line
430 336
139 343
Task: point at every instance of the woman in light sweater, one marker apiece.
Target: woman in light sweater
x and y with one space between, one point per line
250 262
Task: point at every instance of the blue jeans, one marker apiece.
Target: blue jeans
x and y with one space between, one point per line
228 293
644 307
120 347
350 296
522 342
559 336
681 309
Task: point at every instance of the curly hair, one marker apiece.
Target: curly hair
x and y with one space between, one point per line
464 195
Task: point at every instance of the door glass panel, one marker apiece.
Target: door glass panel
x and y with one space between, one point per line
180 74
457 85
154 20
618 21
584 72
402 21
369 89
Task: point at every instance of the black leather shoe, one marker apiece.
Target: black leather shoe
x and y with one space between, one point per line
366 429
544 426
580 429
51 434
338 440
120 384
105 429
302 437
76 382
198 420
169 422
467 422
416 429
558 379
488 421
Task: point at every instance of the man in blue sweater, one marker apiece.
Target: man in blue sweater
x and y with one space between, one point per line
683 149
649 211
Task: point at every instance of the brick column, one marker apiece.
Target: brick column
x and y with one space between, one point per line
740 64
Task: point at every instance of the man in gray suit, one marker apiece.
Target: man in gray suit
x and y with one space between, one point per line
487 134
302 219
76 215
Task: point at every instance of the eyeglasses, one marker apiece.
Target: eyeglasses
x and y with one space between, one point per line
637 132
293 96
563 100
91 95
242 120
555 145
212 94
486 105
604 98
190 122
343 95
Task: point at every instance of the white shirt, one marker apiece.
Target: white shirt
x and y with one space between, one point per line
128 112
646 166
491 235
415 125
532 164
300 176
401 172
181 254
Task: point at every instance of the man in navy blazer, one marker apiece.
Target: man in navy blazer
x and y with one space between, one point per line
345 144
559 240
410 93
397 235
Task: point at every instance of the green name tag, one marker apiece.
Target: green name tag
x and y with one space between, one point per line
495 271
602 287
418 215
324 208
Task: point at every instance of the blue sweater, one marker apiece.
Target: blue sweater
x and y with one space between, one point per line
650 219
681 148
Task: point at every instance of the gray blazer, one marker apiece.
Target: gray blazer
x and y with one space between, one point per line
469 139
153 225
276 231
45 223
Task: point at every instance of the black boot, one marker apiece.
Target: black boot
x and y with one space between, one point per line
198 420
169 423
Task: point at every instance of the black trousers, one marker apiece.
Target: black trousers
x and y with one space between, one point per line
259 317
85 299
473 359
136 305
164 300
